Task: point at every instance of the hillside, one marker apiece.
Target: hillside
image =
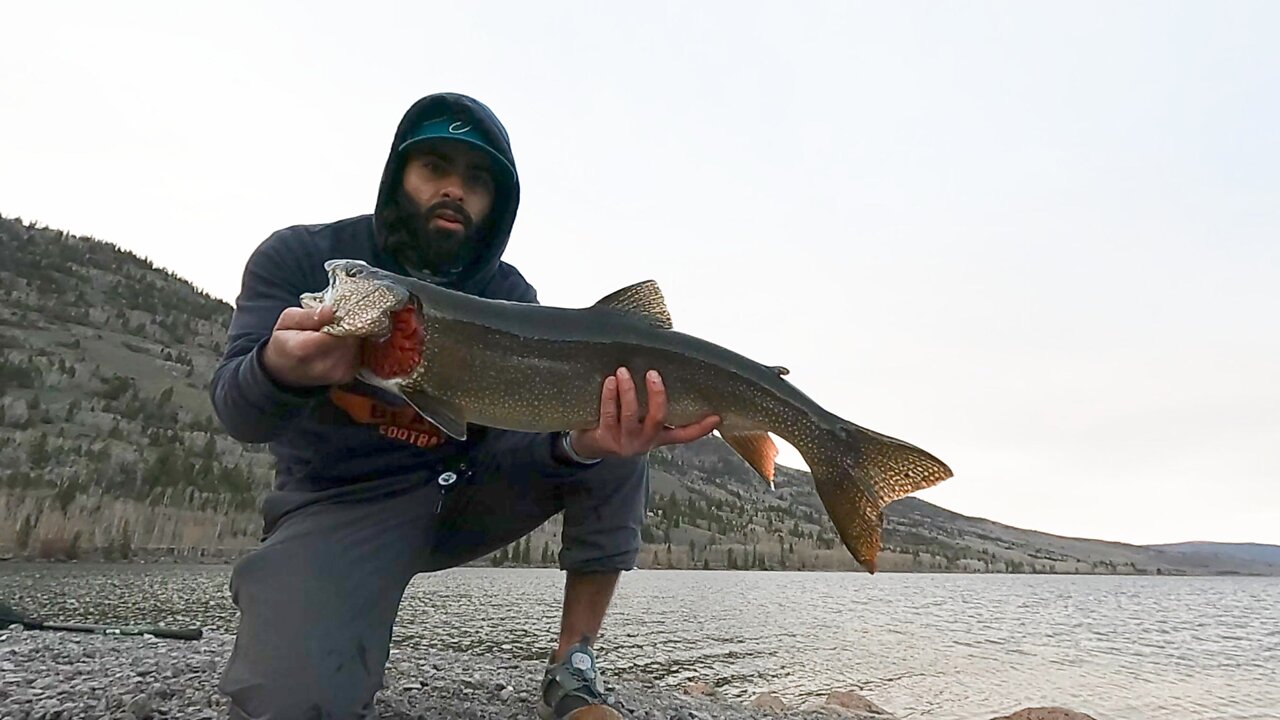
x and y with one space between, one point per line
108 448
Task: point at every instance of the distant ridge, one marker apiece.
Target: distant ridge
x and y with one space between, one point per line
1253 552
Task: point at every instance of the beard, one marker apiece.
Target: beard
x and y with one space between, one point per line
423 246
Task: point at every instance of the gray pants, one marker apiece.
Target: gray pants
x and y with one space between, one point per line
318 598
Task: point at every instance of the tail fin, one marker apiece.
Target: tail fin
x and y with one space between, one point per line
857 472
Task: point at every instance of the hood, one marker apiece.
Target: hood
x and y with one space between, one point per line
506 199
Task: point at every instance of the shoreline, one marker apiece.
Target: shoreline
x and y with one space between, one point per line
46 675
231 561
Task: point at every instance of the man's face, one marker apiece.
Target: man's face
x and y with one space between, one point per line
451 184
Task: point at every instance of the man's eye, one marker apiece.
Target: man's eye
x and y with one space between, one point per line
431 165
480 179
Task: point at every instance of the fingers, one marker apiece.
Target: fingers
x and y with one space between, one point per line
298 356
629 406
302 319
343 360
656 417
689 433
609 408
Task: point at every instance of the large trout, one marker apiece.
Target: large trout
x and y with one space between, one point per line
461 359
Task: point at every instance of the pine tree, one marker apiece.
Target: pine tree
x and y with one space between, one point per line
126 541
732 564
65 495
706 564
38 454
693 550
25 529
73 548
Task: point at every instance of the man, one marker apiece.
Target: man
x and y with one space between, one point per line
368 493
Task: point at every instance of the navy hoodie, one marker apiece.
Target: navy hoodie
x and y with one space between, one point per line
328 438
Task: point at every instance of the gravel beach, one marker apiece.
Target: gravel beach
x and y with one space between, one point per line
58 675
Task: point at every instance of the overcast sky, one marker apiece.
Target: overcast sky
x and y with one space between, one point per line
1041 241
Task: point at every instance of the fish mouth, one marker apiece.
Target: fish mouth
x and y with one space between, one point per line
357 287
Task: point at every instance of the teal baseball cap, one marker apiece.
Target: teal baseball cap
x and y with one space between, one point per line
456 128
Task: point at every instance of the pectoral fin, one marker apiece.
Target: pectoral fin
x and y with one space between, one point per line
757 449
443 414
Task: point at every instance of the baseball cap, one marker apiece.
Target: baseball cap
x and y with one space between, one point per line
457 128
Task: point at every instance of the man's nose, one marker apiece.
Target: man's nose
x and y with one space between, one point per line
452 189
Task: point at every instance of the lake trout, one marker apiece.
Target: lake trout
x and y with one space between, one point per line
460 359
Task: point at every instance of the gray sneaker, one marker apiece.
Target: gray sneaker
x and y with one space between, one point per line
573 689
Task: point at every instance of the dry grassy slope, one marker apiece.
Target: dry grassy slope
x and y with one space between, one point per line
105 360
107 442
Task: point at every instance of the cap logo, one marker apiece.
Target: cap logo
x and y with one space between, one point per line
459 127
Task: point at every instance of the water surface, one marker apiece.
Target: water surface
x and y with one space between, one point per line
950 647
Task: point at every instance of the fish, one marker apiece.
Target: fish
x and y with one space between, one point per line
459 359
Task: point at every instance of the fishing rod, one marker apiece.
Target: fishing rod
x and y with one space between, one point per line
10 615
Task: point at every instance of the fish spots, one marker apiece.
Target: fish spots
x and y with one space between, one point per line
401 351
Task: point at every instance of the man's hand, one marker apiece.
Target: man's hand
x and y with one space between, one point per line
622 432
299 355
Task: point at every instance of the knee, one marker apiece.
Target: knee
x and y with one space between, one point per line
608 493
297 691
602 523
300 652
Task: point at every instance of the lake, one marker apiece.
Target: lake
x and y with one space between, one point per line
950 647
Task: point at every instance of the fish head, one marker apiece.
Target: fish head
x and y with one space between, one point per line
362 297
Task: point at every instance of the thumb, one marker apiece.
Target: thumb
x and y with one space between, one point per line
302 319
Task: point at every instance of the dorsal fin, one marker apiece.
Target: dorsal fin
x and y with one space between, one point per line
643 299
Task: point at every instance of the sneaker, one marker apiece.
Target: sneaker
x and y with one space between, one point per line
573 689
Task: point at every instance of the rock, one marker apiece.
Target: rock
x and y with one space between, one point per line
505 693
140 707
1045 713
855 702
700 689
768 701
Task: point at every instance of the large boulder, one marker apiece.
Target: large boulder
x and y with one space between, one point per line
854 702
700 689
768 701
